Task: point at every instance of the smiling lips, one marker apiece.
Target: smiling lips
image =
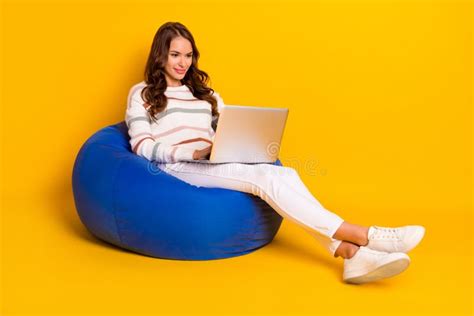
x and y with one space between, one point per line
180 71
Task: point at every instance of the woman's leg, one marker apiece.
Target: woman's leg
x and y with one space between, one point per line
279 186
356 235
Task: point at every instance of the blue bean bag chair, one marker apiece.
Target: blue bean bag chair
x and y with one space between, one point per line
126 200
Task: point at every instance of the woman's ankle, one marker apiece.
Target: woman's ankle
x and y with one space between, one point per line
364 239
351 251
346 250
353 233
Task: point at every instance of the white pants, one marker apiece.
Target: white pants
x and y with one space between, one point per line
279 186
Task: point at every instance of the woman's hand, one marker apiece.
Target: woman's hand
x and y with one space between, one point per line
202 153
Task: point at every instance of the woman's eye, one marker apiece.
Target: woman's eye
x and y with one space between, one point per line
174 55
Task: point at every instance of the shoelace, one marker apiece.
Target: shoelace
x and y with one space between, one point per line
385 233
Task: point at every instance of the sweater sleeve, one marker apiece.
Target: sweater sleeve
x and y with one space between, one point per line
220 106
141 139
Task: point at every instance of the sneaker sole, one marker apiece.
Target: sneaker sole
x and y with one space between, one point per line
384 271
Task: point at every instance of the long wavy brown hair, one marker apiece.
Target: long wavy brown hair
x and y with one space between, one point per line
195 79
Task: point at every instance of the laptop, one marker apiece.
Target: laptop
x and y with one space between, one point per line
247 134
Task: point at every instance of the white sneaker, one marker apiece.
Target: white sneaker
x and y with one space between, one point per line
390 239
369 265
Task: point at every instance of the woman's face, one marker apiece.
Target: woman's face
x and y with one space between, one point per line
179 60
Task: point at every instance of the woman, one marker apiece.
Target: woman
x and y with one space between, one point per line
171 117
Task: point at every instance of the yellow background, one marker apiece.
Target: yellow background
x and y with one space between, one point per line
380 129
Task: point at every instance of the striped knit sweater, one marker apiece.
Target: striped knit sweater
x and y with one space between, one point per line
185 125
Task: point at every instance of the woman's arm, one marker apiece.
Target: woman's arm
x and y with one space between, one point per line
141 139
